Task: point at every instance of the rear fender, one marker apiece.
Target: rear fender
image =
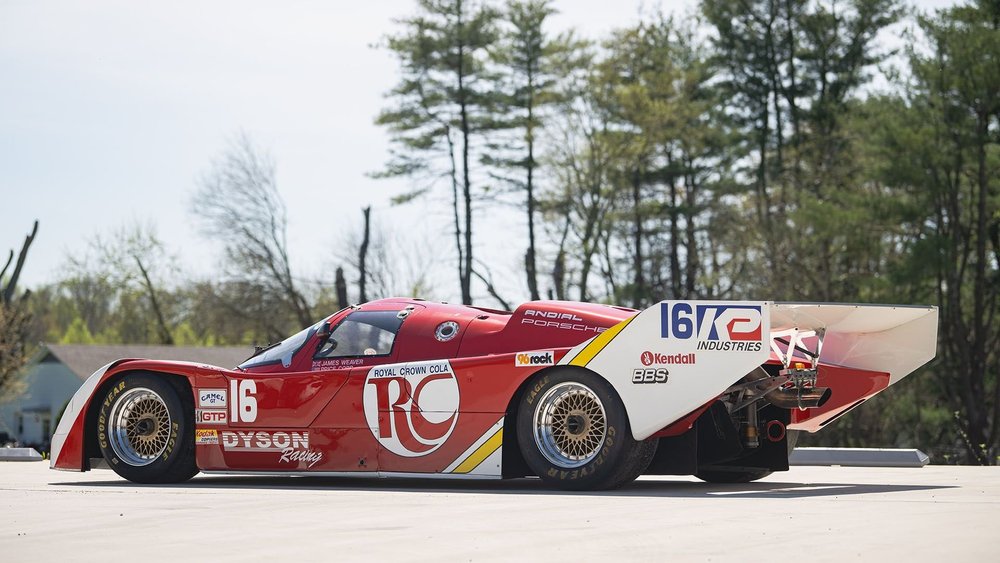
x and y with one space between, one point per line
676 356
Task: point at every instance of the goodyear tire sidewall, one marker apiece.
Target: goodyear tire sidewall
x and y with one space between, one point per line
177 438
618 437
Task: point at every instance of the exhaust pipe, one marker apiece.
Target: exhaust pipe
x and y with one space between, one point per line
775 430
799 399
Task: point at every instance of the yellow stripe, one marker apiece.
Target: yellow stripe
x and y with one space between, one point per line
482 452
599 342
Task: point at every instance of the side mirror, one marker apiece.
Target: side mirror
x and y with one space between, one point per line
324 332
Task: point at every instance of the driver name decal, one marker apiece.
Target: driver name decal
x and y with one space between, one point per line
412 408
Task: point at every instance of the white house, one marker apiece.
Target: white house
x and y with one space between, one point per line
58 370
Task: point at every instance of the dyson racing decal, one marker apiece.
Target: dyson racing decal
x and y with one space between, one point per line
291 447
724 328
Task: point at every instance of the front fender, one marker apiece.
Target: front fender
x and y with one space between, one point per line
68 441
69 446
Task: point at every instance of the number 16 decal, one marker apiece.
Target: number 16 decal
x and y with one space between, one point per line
243 406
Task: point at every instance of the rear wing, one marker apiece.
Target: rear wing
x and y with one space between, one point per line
896 339
676 356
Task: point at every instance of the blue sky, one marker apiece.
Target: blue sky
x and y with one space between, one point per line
110 111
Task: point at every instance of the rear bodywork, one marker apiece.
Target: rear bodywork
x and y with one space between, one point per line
711 380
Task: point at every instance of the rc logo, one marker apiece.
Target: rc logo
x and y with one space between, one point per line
716 327
412 408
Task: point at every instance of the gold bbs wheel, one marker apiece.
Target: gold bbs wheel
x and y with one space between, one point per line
570 425
140 426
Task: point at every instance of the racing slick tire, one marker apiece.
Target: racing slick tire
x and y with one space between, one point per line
145 430
709 476
574 433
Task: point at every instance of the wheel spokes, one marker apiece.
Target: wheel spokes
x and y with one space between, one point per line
140 426
570 425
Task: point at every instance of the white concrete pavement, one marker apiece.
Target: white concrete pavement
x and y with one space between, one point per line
935 513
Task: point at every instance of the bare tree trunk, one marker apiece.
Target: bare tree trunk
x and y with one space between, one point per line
466 280
454 205
980 329
529 259
13 323
363 255
166 338
559 275
341 285
691 241
639 280
7 295
491 289
675 237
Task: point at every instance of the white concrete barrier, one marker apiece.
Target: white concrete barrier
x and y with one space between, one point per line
859 457
19 454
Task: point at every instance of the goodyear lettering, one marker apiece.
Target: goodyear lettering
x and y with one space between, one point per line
590 468
102 418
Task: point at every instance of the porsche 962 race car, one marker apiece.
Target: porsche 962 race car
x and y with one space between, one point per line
583 396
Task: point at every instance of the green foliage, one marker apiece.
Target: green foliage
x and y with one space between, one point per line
77 333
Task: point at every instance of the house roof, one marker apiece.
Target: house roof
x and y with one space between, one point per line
85 359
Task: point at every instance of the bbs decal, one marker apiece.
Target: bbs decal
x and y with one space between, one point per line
650 375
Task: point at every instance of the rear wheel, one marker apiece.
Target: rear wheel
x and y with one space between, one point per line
574 433
145 432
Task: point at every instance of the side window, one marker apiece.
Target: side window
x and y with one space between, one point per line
363 333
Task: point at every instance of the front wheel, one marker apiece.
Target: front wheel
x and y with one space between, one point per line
144 430
574 433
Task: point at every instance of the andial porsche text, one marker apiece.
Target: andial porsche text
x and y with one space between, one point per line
561 321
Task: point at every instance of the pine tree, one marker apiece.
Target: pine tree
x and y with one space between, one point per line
440 107
531 66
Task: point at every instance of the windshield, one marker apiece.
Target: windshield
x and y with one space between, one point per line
284 350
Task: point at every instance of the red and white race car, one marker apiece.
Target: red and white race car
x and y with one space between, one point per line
583 396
